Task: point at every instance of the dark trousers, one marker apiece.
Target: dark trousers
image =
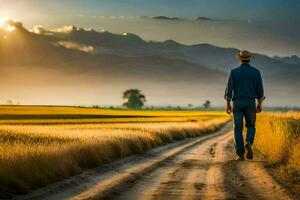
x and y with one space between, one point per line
244 108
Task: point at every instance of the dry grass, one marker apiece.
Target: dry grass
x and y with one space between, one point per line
76 111
103 120
32 155
278 138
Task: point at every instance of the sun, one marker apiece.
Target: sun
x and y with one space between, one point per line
6 26
3 21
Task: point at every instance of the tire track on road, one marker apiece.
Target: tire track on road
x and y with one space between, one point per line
185 177
208 171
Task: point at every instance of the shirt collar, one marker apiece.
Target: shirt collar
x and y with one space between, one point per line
245 64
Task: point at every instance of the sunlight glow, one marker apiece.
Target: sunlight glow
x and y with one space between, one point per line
10 28
4 25
3 21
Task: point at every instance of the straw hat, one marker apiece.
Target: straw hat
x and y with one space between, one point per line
244 55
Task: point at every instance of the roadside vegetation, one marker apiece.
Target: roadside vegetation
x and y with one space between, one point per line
278 139
41 145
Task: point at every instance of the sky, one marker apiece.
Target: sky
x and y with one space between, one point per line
220 9
270 27
265 26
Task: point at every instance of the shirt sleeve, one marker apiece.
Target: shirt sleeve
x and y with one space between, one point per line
229 87
259 88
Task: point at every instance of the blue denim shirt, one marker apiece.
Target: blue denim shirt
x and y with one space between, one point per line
244 82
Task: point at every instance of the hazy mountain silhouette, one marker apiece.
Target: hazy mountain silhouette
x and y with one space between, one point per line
131 45
73 59
289 59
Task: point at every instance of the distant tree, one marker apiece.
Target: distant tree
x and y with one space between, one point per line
134 99
95 106
190 105
9 102
207 104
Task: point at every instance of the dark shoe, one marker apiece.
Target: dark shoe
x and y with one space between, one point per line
240 158
249 152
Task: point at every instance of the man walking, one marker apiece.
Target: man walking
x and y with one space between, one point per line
244 85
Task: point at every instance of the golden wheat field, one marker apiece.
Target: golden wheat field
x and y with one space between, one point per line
278 139
41 145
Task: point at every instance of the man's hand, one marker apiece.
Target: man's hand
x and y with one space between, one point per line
258 108
228 108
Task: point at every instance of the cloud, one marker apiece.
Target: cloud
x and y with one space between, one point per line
202 18
38 29
15 23
76 46
197 18
66 29
70 29
166 18
12 25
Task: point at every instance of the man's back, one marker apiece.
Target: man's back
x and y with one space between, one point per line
244 85
244 82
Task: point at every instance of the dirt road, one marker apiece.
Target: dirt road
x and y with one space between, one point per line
202 168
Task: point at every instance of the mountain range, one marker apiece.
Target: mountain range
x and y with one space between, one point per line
71 65
289 59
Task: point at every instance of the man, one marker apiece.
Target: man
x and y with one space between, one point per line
244 85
